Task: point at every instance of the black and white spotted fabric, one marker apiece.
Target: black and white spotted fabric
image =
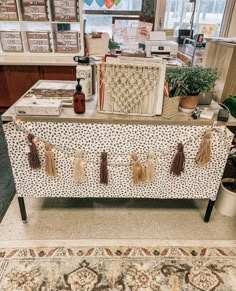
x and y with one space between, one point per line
118 140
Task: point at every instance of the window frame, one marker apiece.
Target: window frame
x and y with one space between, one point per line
161 10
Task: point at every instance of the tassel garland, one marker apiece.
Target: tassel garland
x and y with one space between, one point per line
103 169
150 167
49 160
177 166
33 155
141 173
204 151
138 171
79 172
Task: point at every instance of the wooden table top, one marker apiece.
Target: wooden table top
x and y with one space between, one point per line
92 116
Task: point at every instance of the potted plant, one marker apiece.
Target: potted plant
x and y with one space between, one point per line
189 83
113 46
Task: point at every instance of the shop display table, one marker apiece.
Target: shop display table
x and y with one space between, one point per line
119 136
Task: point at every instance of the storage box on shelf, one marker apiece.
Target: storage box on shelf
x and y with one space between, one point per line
64 10
36 25
11 41
35 10
66 42
8 10
39 42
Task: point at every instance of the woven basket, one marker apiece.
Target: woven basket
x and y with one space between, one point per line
170 106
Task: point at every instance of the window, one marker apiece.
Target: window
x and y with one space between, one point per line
178 14
99 13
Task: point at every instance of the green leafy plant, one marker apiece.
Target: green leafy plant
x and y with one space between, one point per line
191 81
113 45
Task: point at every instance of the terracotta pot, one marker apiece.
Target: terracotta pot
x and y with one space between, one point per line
189 102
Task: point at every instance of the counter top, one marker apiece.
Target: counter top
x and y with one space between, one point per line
92 116
40 60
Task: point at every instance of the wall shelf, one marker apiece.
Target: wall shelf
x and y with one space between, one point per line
46 44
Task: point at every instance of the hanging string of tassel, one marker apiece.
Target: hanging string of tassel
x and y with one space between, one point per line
141 172
70 152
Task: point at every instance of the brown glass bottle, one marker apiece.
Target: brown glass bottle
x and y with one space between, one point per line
79 99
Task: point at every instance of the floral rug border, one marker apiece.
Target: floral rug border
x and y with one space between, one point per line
44 252
118 268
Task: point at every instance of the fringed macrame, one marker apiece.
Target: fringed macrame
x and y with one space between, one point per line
50 165
177 166
33 154
79 172
138 171
150 167
103 169
204 152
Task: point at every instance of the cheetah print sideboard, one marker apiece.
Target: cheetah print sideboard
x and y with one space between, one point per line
118 140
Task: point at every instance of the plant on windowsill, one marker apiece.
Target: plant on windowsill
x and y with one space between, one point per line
189 83
113 46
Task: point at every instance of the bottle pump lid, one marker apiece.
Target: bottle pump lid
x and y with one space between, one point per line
81 60
78 86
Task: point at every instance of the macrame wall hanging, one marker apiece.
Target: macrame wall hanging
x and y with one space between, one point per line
130 89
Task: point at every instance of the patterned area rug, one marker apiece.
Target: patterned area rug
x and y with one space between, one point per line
118 268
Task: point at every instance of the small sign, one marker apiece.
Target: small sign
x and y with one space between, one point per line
207 29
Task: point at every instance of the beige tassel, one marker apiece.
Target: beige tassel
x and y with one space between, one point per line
49 160
79 172
204 152
150 167
138 171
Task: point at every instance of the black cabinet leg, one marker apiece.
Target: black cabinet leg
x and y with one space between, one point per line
209 210
22 209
